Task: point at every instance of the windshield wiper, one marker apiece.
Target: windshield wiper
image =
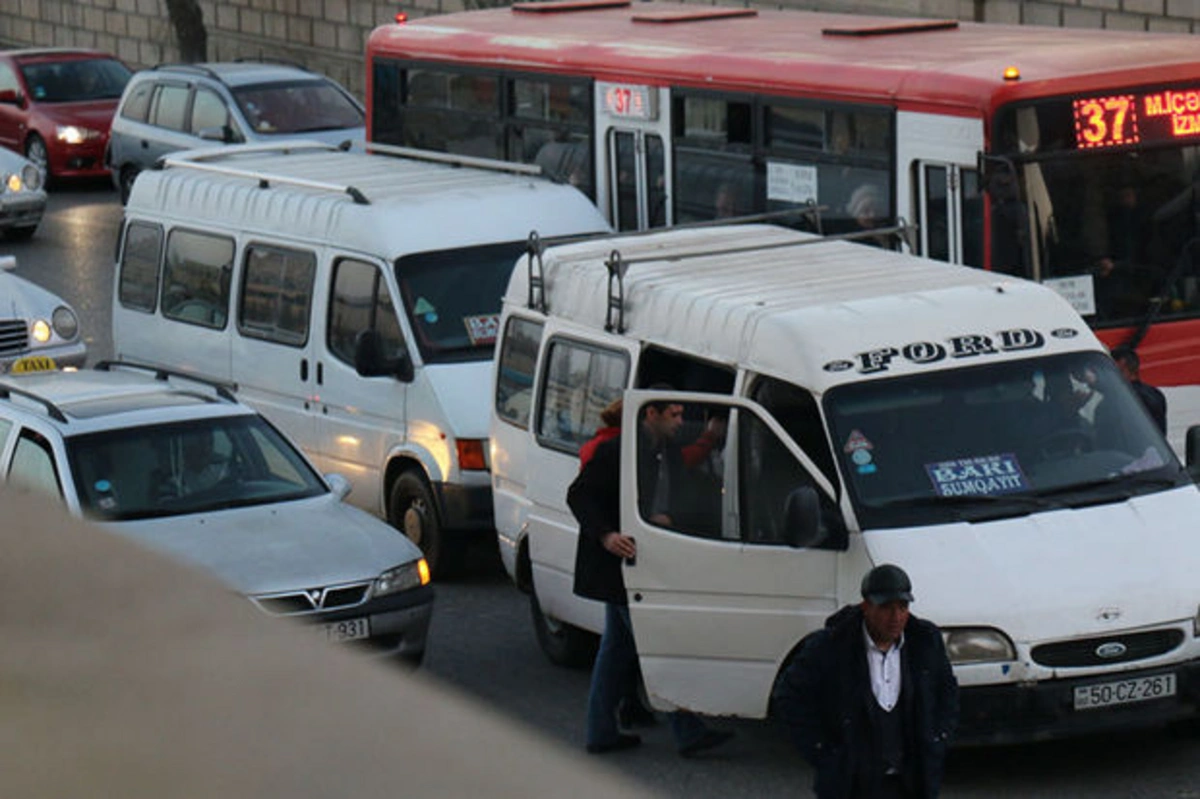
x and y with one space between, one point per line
975 507
1129 483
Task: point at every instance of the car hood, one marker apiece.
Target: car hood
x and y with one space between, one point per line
280 547
95 114
20 299
458 388
1056 574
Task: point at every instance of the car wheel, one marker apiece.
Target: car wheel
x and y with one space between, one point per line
411 510
129 173
35 151
564 644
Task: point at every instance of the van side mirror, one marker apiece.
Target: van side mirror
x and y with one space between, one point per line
1192 452
370 361
802 517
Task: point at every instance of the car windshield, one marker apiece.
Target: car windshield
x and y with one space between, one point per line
294 107
189 467
77 80
452 298
999 440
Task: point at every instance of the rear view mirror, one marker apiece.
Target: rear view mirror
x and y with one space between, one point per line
370 360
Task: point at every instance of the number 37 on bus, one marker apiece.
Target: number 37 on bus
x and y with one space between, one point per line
1066 156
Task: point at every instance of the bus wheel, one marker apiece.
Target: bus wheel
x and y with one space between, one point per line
411 510
564 644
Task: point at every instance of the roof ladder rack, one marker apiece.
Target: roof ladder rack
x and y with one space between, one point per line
454 160
224 390
265 179
7 391
616 300
537 278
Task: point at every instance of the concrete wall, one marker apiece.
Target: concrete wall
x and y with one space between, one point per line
330 35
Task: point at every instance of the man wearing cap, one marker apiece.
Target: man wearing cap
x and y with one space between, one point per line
870 699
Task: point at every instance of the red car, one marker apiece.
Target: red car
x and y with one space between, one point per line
56 106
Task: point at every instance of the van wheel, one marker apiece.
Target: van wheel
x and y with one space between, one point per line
411 510
129 174
564 644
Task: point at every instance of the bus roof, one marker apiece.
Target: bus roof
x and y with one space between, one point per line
746 295
914 63
307 191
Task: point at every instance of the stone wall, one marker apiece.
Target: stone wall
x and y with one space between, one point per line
330 35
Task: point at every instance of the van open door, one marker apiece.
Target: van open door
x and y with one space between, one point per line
737 556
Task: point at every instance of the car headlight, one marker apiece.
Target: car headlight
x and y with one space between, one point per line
31 176
402 578
73 134
40 332
12 182
64 322
977 645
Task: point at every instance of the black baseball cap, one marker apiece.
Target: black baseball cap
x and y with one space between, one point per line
886 583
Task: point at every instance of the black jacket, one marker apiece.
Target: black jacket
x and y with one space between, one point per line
595 500
1154 401
823 698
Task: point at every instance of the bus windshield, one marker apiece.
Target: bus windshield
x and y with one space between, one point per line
1111 229
452 299
993 441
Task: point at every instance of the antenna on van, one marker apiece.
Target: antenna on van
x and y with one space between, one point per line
537 279
616 300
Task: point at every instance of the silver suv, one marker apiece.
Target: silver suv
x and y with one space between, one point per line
181 467
181 106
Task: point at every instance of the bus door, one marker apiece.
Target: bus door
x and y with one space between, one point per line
937 184
632 159
720 590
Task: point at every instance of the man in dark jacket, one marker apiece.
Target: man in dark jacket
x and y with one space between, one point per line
871 699
1152 398
595 500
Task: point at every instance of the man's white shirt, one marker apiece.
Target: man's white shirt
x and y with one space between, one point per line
885 670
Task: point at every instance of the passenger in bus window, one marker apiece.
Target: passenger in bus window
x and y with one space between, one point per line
867 208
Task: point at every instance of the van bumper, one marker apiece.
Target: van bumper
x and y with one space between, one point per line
1025 712
467 508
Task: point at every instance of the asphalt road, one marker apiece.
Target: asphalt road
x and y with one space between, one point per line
483 644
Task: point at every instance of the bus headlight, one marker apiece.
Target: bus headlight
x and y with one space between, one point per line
977 645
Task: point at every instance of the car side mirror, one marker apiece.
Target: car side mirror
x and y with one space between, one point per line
217 133
1192 452
10 97
338 484
370 361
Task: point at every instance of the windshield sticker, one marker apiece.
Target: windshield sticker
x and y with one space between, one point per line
482 329
982 476
424 308
859 448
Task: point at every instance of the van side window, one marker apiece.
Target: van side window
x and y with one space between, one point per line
196 278
360 301
277 287
580 381
796 410
514 374
33 465
138 285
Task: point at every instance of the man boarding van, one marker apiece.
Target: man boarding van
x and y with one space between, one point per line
352 298
876 408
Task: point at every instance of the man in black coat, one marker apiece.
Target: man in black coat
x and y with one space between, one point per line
1154 401
595 500
871 700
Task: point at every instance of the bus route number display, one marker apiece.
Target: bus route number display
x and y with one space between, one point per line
1124 119
628 101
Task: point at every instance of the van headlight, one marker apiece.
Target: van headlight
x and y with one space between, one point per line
402 578
977 645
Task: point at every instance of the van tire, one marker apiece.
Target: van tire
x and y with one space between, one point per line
412 511
564 644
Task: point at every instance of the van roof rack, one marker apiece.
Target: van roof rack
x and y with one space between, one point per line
200 161
223 389
7 392
454 160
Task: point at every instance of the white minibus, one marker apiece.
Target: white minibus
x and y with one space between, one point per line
878 408
352 298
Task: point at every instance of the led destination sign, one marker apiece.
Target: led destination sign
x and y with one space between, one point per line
1124 119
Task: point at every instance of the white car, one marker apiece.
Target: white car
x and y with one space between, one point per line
22 196
181 467
38 329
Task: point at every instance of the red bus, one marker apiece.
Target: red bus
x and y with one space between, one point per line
1068 156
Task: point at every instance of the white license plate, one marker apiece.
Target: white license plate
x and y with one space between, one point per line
1124 692
348 630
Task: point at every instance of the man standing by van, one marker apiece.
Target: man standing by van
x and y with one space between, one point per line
595 499
871 699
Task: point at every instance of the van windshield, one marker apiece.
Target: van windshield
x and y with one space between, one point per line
994 441
452 299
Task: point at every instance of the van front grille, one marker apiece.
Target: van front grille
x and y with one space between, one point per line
1109 649
14 336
